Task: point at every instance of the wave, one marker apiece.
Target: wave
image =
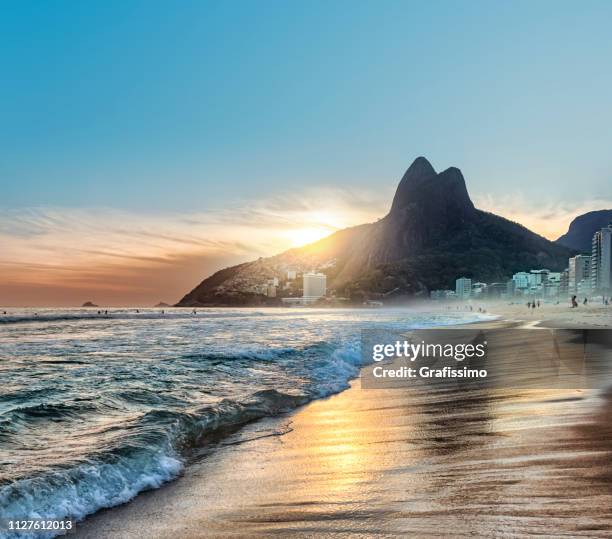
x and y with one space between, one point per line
155 454
178 313
263 354
122 314
54 411
153 448
19 319
87 487
145 461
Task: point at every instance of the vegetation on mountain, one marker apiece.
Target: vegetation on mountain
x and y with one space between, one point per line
432 235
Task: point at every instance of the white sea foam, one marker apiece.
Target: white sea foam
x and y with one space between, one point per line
86 488
158 389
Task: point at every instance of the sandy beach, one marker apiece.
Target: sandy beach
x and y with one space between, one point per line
411 461
593 315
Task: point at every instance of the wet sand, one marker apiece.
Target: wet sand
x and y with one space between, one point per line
416 461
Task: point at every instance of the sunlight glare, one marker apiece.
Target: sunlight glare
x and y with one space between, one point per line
303 236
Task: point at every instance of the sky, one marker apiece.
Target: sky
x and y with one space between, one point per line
145 144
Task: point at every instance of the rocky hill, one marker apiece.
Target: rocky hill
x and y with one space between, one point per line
582 228
431 235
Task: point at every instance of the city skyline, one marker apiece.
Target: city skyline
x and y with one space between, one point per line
586 276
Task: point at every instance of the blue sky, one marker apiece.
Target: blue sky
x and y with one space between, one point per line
158 108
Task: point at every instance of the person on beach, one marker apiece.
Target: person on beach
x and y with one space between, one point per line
585 301
574 302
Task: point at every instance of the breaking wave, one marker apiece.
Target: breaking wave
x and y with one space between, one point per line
130 402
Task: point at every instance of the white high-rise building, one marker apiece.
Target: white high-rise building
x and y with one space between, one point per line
479 289
315 285
521 281
463 287
537 278
552 285
584 289
579 270
601 261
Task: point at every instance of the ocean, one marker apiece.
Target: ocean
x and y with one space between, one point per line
97 408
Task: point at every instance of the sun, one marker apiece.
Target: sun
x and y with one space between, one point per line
303 236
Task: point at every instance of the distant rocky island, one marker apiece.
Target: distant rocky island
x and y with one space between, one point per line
89 304
162 304
432 234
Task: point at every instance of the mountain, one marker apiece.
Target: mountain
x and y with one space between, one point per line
582 228
431 235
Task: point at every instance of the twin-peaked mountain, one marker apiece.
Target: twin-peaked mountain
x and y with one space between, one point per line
431 235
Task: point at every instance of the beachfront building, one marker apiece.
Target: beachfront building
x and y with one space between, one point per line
510 288
292 302
564 283
584 289
537 278
535 282
314 285
552 286
442 294
601 261
478 289
579 271
291 275
496 290
521 282
463 287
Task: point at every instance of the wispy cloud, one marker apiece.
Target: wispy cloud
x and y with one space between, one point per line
549 218
65 256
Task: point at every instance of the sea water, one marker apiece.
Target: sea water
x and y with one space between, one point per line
95 408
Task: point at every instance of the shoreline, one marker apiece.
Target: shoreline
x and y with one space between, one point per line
338 465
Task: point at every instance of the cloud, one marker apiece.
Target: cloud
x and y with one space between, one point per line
64 256
550 219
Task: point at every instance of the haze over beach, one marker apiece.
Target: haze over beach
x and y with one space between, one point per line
318 269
